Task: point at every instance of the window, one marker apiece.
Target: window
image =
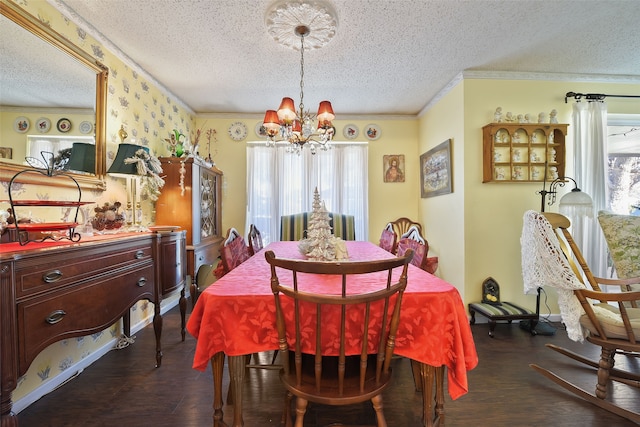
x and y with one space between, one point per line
623 144
280 183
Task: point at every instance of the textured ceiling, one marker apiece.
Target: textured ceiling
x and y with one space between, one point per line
386 57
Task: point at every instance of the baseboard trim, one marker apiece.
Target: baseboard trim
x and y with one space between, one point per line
544 317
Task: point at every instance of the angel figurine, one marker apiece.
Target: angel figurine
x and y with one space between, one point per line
497 116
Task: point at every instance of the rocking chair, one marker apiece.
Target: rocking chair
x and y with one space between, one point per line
605 319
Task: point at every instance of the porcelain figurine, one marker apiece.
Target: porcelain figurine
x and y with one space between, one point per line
497 116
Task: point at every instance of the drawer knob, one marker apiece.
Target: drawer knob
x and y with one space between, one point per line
141 282
52 276
139 254
55 316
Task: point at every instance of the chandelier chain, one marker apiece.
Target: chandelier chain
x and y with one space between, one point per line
301 75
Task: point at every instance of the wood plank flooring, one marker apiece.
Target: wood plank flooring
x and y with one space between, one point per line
124 389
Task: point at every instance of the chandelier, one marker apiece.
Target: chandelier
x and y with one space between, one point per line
298 127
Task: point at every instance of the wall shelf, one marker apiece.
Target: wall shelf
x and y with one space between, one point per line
520 152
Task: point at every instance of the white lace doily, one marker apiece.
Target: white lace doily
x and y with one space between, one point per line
544 264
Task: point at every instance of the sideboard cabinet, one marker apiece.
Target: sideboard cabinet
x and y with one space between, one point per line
192 199
173 269
523 152
53 291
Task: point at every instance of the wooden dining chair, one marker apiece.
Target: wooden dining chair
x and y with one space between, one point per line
551 257
336 347
403 224
255 240
294 227
412 239
234 250
388 239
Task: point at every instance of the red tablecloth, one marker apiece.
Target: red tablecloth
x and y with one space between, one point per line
236 315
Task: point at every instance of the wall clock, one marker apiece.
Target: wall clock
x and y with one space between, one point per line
238 131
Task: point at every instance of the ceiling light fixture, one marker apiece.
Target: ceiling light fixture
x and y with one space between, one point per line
288 124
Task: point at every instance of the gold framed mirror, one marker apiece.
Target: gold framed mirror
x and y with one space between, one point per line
72 56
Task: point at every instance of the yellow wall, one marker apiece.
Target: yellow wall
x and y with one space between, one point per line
387 201
443 216
477 231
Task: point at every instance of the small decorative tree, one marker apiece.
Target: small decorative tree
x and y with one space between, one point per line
321 244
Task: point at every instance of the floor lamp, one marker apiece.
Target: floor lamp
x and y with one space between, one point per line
128 170
575 202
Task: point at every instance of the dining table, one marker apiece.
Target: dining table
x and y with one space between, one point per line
235 317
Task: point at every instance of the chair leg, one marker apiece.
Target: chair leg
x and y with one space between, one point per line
301 408
378 407
606 363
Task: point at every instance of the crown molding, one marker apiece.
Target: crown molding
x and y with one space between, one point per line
517 75
108 44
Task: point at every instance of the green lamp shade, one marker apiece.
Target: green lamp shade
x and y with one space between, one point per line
83 158
125 151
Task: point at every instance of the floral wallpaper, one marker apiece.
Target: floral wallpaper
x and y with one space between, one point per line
148 115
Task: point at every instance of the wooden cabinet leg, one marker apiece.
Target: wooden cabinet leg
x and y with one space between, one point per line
183 313
157 328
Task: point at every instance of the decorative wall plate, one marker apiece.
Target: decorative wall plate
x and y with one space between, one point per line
21 125
261 132
43 125
86 127
64 125
351 131
238 131
372 132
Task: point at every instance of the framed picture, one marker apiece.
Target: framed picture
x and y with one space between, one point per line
393 167
6 153
435 171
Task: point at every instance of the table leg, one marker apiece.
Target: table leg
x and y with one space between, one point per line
217 368
432 415
237 365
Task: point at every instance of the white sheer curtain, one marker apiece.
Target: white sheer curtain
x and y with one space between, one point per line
281 183
590 160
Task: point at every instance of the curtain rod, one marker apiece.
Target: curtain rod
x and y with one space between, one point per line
594 96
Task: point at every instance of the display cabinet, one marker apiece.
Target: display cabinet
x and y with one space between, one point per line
191 198
523 152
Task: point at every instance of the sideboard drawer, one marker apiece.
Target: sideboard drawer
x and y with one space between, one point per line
79 310
57 269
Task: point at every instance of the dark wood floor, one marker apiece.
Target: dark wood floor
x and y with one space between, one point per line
124 389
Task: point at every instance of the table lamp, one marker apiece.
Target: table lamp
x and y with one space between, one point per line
128 170
83 158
